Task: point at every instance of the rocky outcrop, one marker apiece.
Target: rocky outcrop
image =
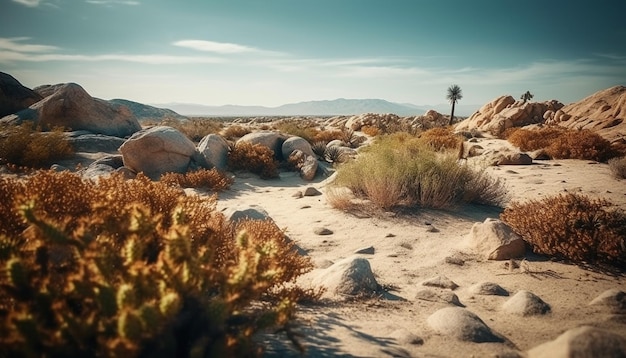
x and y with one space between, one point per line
603 112
144 112
159 150
68 105
13 96
214 148
505 112
582 341
372 120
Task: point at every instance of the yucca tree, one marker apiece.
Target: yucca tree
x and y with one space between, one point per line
454 95
527 96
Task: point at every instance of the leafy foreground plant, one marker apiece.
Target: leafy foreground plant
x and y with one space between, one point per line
572 227
135 268
402 170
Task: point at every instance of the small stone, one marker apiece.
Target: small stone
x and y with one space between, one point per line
390 235
525 303
488 288
305 207
441 282
454 261
311 191
298 194
432 229
322 231
443 297
366 250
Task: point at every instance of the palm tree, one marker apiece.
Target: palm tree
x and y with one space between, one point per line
454 95
527 96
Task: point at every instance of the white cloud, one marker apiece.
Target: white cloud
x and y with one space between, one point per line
15 44
29 3
150 59
217 47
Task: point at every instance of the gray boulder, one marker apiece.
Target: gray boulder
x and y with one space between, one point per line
296 143
350 276
214 149
525 303
461 324
158 150
582 342
94 143
272 140
70 106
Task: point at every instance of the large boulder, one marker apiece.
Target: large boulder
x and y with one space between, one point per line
583 341
495 240
504 112
158 150
94 143
68 105
272 140
214 148
296 143
13 96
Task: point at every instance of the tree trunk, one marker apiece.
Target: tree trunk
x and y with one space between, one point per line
452 114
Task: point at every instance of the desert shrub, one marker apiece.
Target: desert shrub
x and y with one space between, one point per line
335 154
562 143
135 268
195 129
350 138
618 167
255 158
572 227
328 136
25 145
400 170
371 131
210 179
441 138
235 131
299 128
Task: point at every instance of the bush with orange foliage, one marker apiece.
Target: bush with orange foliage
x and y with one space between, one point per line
255 158
210 179
441 138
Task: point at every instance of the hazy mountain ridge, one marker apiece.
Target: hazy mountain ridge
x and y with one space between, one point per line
339 106
144 111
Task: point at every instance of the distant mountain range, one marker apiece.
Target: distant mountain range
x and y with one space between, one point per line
145 112
339 106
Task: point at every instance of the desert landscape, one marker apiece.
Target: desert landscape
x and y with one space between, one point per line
397 280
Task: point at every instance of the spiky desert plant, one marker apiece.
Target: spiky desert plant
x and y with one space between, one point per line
351 138
335 154
135 268
573 227
255 158
319 148
618 167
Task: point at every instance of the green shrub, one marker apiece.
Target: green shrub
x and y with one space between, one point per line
255 158
204 178
618 167
561 143
25 145
572 227
135 268
400 170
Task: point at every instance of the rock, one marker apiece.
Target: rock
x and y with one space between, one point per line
58 168
298 195
94 143
322 231
582 342
127 173
95 171
525 303
158 150
369 250
68 105
253 212
514 159
372 119
488 288
309 168
614 299
272 140
296 143
404 336
336 143
114 161
13 96
461 324
441 282
454 261
214 149
350 276
493 239
442 297
311 191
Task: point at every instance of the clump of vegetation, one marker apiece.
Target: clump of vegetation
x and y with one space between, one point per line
299 128
235 131
211 179
135 268
328 136
350 138
371 131
441 138
572 227
255 158
25 145
195 128
618 167
401 171
563 143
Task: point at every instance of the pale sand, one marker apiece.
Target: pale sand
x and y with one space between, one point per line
378 327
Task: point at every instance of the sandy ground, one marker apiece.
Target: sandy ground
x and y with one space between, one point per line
413 248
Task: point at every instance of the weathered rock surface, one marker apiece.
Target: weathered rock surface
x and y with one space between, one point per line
68 105
488 288
461 324
350 276
93 143
14 97
441 282
495 240
525 303
446 297
296 143
272 140
158 150
614 299
582 342
253 212
372 119
214 148
603 112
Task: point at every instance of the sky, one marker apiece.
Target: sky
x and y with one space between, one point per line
273 52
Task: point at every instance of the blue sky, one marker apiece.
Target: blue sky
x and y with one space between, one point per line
272 52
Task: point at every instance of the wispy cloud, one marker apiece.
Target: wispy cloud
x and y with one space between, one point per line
216 47
114 2
16 44
29 3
